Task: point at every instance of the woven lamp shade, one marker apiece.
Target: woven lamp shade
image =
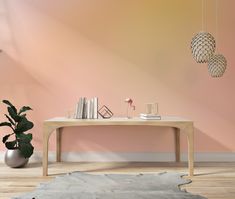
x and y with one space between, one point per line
203 47
217 65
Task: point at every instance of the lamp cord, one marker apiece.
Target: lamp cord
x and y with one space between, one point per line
203 14
216 24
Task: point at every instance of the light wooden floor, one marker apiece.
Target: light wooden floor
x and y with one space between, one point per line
212 180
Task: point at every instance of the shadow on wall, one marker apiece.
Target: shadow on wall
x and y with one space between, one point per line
13 73
117 138
132 139
20 87
204 143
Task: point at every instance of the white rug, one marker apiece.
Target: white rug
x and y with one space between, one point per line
79 185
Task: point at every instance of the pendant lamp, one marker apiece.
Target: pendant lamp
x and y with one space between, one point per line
203 44
217 63
203 47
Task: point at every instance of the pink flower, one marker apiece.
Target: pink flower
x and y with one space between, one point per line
130 102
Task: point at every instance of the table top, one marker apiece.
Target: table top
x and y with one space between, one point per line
116 121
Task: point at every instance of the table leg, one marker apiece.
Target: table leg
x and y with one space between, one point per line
190 137
46 135
177 144
58 145
47 130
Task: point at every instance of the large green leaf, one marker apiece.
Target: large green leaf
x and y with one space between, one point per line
23 115
7 102
5 124
26 149
24 137
11 145
10 104
23 125
13 114
10 120
5 138
23 109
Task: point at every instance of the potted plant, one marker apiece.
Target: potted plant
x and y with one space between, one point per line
19 148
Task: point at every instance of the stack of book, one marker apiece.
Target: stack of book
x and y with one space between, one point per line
145 116
87 108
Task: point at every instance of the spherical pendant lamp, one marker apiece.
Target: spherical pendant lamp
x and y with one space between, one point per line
202 47
217 65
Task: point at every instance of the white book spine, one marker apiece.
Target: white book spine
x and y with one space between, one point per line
79 110
88 109
92 108
95 108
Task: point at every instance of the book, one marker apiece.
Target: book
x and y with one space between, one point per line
92 108
83 108
150 116
95 107
86 108
89 109
81 112
78 109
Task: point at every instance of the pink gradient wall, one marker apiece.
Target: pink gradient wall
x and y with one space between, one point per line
55 53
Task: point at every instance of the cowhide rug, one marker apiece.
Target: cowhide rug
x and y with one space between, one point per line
79 185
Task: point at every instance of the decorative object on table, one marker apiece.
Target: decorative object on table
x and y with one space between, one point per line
145 116
106 186
151 112
217 65
20 149
105 112
87 108
203 48
70 114
152 108
129 107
